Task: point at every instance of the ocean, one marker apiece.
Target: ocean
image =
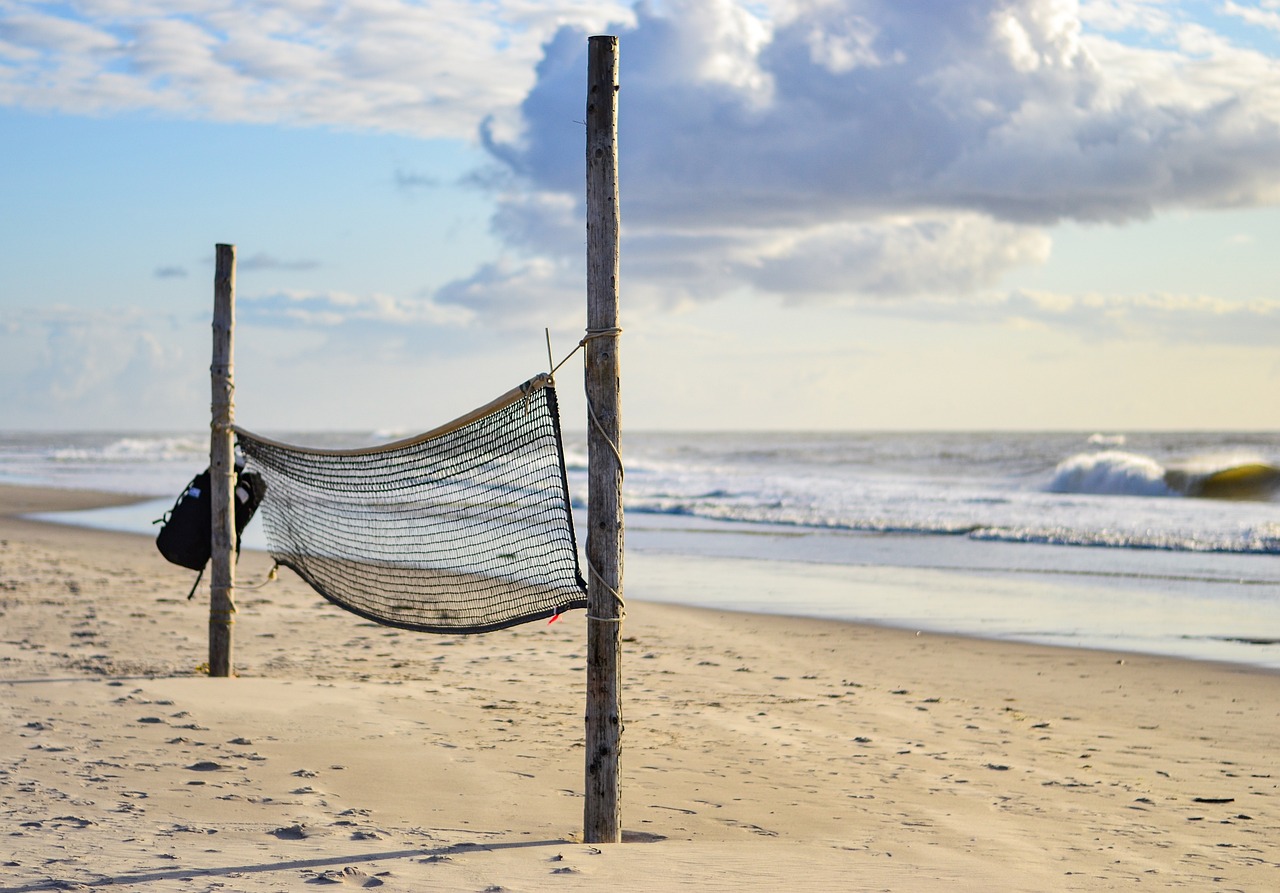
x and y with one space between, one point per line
1163 543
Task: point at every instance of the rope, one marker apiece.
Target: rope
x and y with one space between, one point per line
591 335
591 411
622 605
272 576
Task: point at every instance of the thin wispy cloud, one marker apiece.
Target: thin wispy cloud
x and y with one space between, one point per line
259 261
327 309
408 181
1169 318
1096 317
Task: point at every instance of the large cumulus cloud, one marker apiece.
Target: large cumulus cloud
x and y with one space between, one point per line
888 147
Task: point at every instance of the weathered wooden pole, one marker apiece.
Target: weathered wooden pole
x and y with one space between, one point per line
222 471
602 812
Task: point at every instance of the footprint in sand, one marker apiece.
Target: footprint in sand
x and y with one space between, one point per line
347 875
293 832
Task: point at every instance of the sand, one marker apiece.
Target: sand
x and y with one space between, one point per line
760 752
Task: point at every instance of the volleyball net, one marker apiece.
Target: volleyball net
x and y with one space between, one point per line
467 528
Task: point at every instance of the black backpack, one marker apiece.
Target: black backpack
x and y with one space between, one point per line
188 526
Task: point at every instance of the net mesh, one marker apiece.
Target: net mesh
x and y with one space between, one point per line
464 529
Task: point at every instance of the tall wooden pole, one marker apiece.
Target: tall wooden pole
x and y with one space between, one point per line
222 472
602 813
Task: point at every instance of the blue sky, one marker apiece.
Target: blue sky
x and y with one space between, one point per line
838 214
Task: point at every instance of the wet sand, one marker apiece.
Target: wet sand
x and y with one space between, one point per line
760 752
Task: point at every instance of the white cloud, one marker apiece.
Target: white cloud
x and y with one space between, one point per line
430 70
1266 15
895 257
123 368
40 32
113 367
846 42
1095 317
1146 16
293 308
817 150
852 117
1166 318
513 294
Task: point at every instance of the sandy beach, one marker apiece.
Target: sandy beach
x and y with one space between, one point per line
760 752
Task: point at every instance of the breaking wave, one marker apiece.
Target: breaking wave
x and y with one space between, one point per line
134 449
1110 473
1118 473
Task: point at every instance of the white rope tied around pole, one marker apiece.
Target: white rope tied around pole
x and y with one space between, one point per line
617 597
611 332
592 334
591 411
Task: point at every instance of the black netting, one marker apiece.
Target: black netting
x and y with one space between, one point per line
462 530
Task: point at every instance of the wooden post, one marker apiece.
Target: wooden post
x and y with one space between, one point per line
222 472
602 812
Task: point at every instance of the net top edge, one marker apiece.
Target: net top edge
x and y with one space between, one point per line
521 391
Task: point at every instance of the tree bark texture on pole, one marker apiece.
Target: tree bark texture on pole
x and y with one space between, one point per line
602 812
222 472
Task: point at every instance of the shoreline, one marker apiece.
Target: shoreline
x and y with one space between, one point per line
17 502
1180 605
759 750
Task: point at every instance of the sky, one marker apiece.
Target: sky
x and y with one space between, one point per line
836 214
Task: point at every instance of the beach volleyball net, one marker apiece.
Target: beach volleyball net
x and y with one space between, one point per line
464 529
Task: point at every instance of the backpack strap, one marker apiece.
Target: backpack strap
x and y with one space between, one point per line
192 593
